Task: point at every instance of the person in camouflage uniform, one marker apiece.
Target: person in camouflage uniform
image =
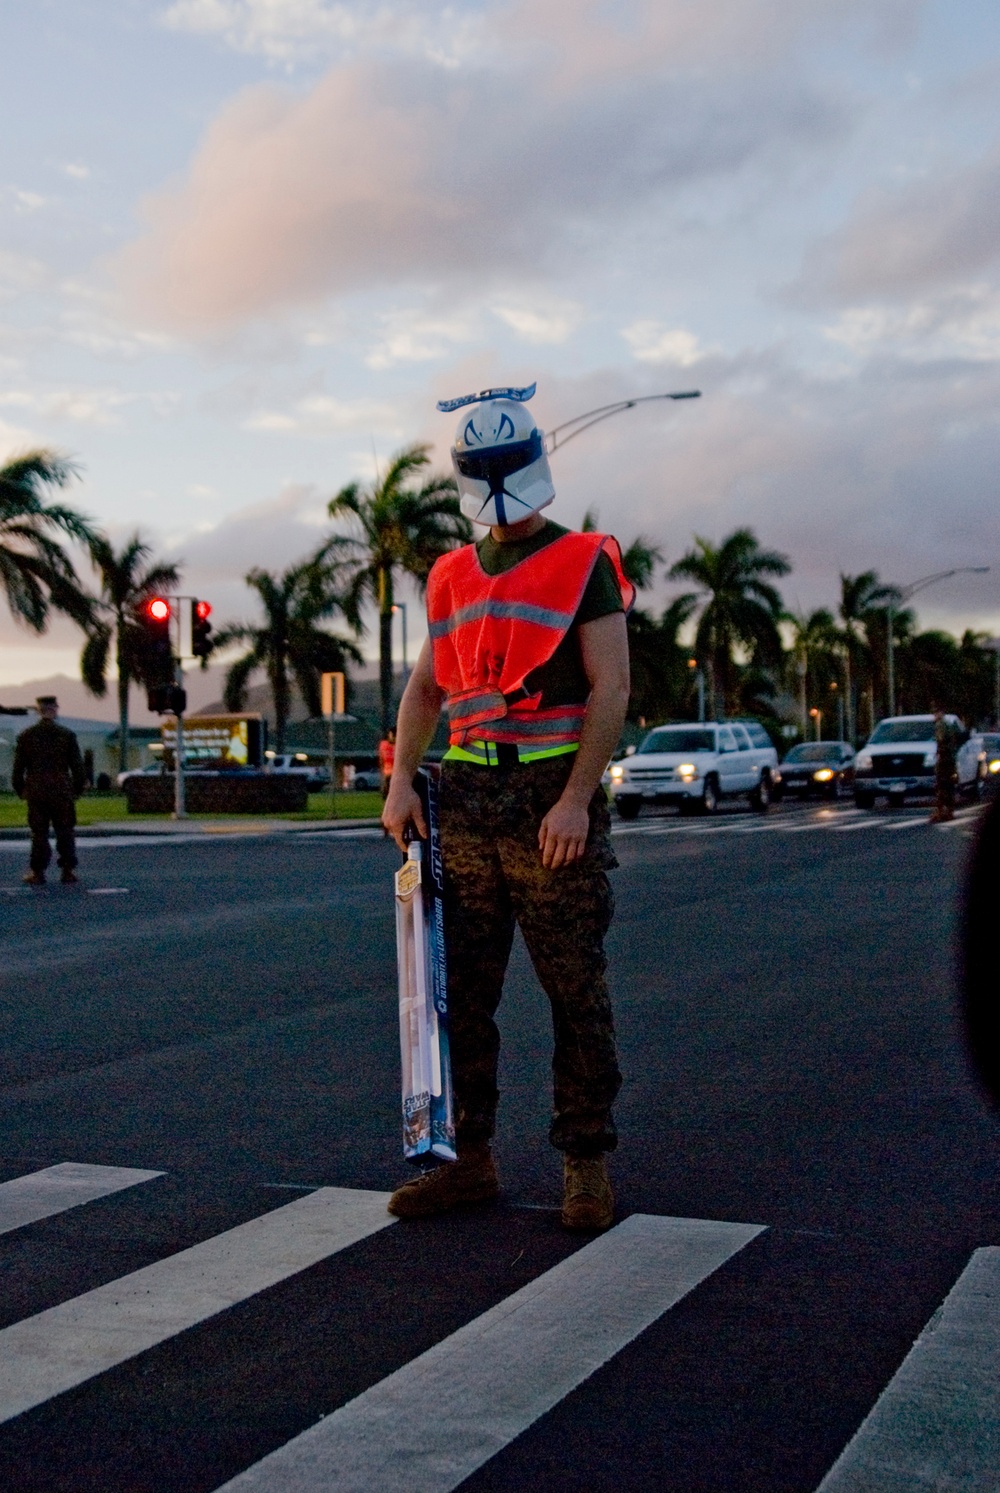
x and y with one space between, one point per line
525 829
945 769
48 772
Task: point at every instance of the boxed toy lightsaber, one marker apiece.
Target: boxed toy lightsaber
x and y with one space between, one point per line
428 1107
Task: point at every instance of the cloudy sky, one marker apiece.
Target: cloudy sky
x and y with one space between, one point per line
246 244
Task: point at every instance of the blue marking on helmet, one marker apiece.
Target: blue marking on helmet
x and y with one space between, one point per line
448 406
510 432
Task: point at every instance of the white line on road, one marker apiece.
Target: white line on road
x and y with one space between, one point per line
49 1353
42 1194
905 823
936 1425
427 1427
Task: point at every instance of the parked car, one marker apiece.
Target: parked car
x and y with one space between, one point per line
695 767
154 770
367 780
297 764
824 768
899 759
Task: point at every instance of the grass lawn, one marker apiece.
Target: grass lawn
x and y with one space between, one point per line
98 808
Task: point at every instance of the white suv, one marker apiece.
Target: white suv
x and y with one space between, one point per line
695 766
900 757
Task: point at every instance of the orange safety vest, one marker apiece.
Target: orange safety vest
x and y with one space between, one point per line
489 632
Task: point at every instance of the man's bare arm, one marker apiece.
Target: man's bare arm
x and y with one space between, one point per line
562 837
418 717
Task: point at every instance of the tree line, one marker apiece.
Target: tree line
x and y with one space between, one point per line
747 651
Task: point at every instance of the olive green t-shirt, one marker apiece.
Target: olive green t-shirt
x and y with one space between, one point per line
561 680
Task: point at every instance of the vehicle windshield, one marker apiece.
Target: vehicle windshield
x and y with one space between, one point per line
815 751
903 731
679 739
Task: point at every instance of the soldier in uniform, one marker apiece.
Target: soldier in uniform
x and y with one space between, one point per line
48 772
945 769
528 649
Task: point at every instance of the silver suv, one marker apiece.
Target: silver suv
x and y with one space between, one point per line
695 767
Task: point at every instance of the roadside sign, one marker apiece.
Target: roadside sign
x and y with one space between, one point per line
332 694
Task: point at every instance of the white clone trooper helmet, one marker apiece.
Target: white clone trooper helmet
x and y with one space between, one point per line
499 455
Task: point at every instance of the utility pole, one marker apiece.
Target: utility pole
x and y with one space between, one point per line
332 705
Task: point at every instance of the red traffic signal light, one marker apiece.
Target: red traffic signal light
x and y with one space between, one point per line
158 609
201 629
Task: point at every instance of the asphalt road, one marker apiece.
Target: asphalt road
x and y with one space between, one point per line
223 1013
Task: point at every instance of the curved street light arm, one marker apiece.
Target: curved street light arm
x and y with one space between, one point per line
555 438
903 595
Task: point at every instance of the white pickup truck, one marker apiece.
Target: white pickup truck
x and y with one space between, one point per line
696 766
900 757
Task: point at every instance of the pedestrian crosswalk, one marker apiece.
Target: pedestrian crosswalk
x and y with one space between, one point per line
430 1424
822 821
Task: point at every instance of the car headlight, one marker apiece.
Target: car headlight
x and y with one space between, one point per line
930 758
864 761
995 765
617 772
686 770
823 775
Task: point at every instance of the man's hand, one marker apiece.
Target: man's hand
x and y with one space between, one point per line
562 837
402 808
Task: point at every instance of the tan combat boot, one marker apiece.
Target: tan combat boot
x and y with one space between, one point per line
453 1184
588 1202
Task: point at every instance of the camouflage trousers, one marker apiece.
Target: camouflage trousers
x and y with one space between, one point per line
494 878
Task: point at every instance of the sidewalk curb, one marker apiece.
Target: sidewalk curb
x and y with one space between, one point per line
214 828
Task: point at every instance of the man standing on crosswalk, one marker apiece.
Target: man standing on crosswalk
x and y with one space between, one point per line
528 649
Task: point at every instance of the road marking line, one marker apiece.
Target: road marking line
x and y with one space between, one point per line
936 1423
38 1195
49 1353
842 829
428 1426
905 823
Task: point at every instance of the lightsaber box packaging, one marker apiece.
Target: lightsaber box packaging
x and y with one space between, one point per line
428 1105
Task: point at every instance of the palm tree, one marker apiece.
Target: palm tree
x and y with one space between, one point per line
127 582
741 607
398 526
814 646
290 644
860 596
35 571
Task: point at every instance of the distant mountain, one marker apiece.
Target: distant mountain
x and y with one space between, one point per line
204 692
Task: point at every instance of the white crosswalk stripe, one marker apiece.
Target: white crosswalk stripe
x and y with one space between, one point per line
936 1425
49 1353
412 1433
42 1194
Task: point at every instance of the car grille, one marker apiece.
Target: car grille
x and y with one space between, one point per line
650 774
907 765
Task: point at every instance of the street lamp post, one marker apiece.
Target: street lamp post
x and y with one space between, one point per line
569 429
904 594
700 682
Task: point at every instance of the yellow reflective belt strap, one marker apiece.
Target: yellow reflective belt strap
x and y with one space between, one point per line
484 753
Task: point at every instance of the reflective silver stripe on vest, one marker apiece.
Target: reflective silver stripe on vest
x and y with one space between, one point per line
523 725
474 706
517 611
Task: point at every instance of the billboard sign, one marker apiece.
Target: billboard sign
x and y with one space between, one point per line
217 743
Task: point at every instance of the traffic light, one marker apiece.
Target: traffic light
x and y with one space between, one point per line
201 629
157 653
